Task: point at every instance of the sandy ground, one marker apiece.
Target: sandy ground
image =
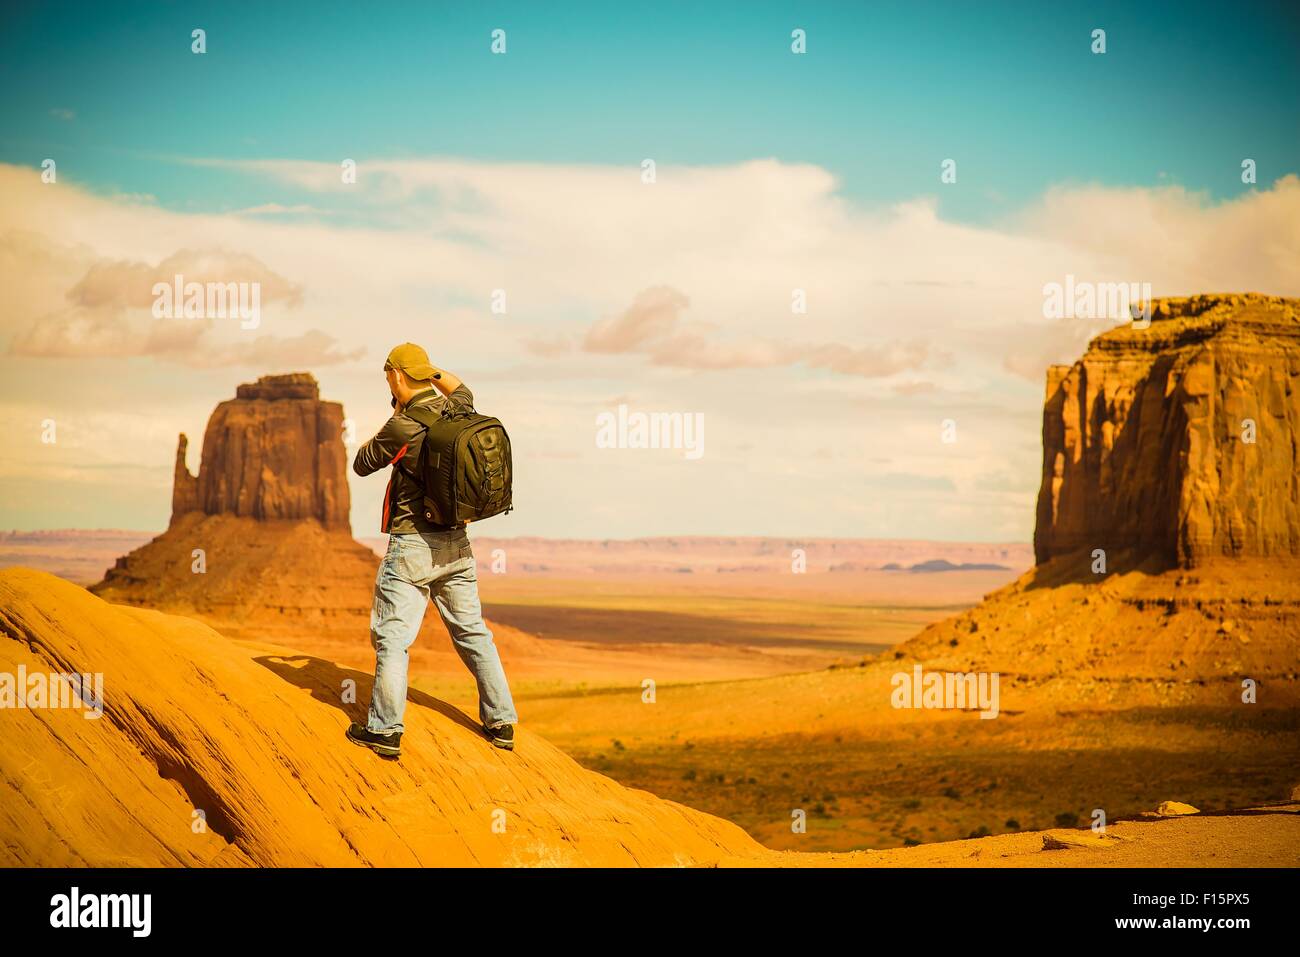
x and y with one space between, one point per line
1250 837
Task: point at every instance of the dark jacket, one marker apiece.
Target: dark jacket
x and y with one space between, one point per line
398 444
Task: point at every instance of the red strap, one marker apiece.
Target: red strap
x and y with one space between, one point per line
388 491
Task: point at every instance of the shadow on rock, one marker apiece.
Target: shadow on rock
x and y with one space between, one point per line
324 679
1086 566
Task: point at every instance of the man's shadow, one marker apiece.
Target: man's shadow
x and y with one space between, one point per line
324 679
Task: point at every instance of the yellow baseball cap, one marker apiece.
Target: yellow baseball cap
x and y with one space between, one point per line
411 359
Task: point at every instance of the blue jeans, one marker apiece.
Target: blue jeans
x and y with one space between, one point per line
418 566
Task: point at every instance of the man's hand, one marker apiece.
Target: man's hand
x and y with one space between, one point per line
444 381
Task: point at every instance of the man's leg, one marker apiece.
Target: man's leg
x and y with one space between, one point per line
395 619
457 599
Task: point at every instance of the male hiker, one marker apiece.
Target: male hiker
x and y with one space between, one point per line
423 560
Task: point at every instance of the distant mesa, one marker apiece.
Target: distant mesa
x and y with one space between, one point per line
737 557
941 565
935 565
1178 441
275 451
263 528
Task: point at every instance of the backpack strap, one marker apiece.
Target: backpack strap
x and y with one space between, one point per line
424 415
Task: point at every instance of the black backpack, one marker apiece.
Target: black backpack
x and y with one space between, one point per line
464 466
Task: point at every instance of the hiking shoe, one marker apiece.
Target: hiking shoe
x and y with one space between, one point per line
501 737
386 745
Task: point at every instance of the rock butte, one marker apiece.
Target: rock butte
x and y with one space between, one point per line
269 512
1143 457
275 451
1178 441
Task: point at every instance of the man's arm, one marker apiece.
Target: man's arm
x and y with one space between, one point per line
459 398
385 448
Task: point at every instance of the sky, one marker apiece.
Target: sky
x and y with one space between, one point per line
904 401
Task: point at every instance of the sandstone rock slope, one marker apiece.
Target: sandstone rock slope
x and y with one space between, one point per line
254 741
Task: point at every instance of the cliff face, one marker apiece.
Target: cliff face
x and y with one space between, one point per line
273 452
1180 441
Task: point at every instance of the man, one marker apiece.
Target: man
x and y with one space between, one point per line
423 560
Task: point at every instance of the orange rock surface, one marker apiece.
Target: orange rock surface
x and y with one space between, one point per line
1131 639
274 452
193 722
1178 441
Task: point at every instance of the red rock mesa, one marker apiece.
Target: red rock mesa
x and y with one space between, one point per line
275 451
263 529
1178 441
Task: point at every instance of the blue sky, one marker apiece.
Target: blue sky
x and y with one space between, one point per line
886 91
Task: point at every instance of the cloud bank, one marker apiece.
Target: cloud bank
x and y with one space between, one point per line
676 295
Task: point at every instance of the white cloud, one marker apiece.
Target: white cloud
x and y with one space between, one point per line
911 319
278 209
